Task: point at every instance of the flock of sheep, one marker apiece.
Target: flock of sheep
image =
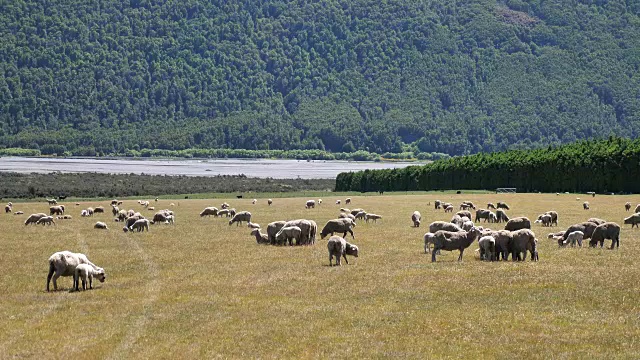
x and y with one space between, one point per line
516 239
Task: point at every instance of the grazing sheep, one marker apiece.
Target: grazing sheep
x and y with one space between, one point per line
131 213
360 215
502 205
464 213
159 217
345 210
373 217
545 219
98 209
487 248
634 220
308 230
573 238
596 221
627 206
491 206
501 216
554 217
524 240
355 212
84 213
445 205
240 217
429 238
260 237
209 211
449 241
415 218
90 211
482 214
338 247
225 205
254 201
7 208
437 204
140 225
46 220
443 225
86 272
337 202
313 231
311 204
272 230
33 218
347 216
338 226
347 201
518 223
449 208
232 212
52 201
608 230
288 233
56 210
122 215
100 225
223 212
637 210
251 225
586 228
269 202
170 220
64 263
585 205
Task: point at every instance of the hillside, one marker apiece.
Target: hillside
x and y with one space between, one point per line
454 77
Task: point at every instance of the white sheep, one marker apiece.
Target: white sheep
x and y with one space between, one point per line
487 248
100 225
338 247
360 215
170 219
140 225
337 202
46 220
238 218
288 234
428 239
86 272
311 204
319 201
373 217
64 263
254 201
415 217
573 238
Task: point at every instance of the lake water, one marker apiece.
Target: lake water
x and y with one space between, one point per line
260 168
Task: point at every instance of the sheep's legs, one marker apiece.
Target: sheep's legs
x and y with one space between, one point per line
433 254
460 257
51 271
345 258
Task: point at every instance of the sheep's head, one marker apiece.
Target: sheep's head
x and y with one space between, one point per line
352 250
100 275
125 229
230 222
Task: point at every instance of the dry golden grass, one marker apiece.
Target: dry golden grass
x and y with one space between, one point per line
202 288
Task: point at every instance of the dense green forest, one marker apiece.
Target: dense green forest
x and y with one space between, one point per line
611 165
456 77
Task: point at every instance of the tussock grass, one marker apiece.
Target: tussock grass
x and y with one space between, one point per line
203 288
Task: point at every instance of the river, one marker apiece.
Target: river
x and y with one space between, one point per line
259 168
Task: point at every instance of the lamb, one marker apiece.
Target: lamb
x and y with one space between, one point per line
450 241
269 202
140 225
100 225
415 217
339 226
467 205
132 219
56 210
608 230
502 205
373 217
254 201
573 238
170 220
338 247
208 211
464 213
634 220
437 204
518 223
232 212
627 206
597 221
90 211
449 208
482 214
442 225
308 230
501 216
524 240
272 230
84 213
554 217
586 228
555 235
223 212
64 263
289 233
429 238
98 209
493 218
86 272
260 237
131 213
361 215
491 206
240 217
585 205
46 220
33 218
545 219
347 201
487 248
311 204
159 217
313 231
251 225
337 202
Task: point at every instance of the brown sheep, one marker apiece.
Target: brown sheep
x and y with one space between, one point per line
502 205
586 227
627 206
634 220
518 223
524 240
608 230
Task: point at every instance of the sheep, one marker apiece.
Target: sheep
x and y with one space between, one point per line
464 213
64 263
151 208
46 220
347 201
98 209
18 213
172 204
289 233
337 202
7 208
502 205
254 201
260 237
445 205
504 242
487 248
634 220
52 201
573 238
100 225
361 215
251 225
122 215
208 211
482 214
345 210
56 210
608 230
90 211
449 208
373 217
545 219
457 220
86 272
140 225
355 212
493 218
33 218
307 230
428 239
586 228
592 193
347 216
224 205
338 247
240 217
596 221
554 217
114 202
339 226
449 241
437 204
84 213
272 230
131 213
223 212
467 225
415 217
442 225
637 210
311 204
269 202
491 206
159 217
627 206
114 210
501 216
313 231
524 240
585 205
319 201
518 223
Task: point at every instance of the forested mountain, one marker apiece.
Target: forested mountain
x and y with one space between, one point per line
446 76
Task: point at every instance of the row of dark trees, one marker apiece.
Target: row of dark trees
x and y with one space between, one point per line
611 165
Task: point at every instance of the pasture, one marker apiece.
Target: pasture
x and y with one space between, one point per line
202 288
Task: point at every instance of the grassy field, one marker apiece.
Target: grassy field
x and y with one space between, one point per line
205 289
